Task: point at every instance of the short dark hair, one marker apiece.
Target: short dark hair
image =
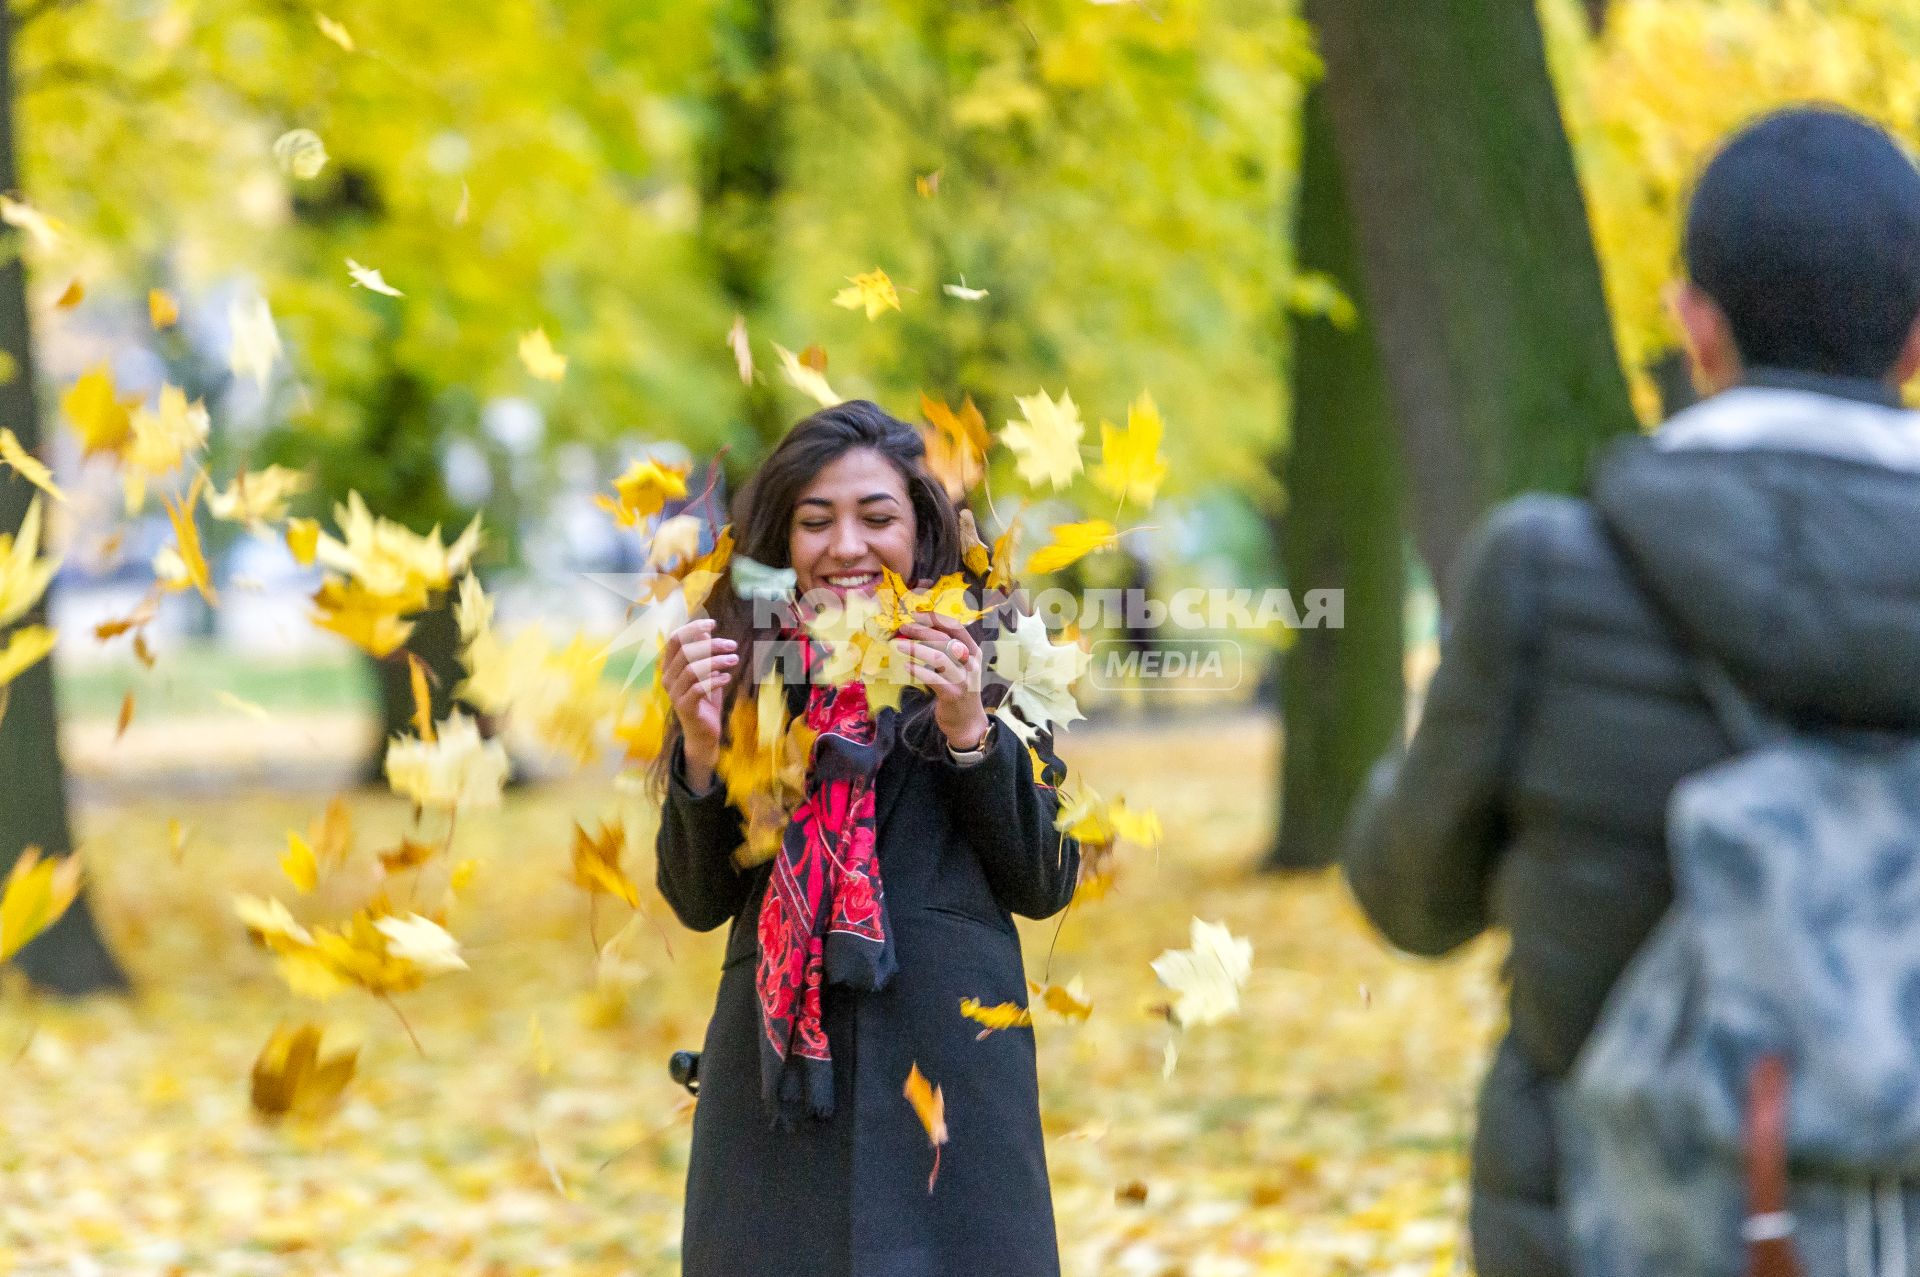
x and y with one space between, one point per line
1805 230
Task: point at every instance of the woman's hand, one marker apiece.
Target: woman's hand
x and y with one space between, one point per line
696 673
947 659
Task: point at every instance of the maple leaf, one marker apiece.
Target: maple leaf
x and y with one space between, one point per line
742 349
300 153
808 381
162 310
334 31
422 943
303 540
101 418
331 834
261 497
24 575
368 620
961 291
644 490
37 892
873 291
411 853
1207 978
24 647
291 1078
299 864
74 293
957 444
1046 445
675 541
391 560
930 1106
1002 1016
1071 543
368 278
41 229
596 862
1131 467
1039 674
270 923
1069 1002
13 454
125 719
186 534
255 343
162 438
456 770
539 356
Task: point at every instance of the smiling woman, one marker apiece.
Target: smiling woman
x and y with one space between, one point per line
919 831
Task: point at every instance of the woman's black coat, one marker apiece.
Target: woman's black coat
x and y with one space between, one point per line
959 847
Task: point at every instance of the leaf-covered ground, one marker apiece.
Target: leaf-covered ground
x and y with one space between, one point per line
1322 1132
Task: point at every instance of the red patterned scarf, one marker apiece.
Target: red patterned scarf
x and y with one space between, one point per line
823 918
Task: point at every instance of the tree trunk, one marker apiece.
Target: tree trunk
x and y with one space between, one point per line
1479 267
741 175
436 641
69 957
1342 691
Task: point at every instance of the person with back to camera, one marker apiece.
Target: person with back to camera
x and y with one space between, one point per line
1755 561
921 830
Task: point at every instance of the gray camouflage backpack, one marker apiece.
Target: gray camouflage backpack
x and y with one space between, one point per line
1750 1100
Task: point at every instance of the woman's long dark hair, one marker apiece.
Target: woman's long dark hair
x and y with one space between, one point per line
763 524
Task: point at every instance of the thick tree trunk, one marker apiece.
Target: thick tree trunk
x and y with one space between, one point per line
69 957
1342 691
1480 273
436 641
741 175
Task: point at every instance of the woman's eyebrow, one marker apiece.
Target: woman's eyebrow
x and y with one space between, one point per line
866 500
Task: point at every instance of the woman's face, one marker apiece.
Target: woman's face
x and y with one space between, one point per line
854 519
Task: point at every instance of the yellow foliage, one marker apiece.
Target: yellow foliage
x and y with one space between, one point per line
37 892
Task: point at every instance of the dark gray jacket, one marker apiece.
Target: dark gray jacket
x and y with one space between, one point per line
1779 527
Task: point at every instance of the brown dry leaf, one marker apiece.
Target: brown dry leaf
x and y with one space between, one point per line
422 698
957 444
108 630
126 716
1001 1016
292 1078
409 854
815 357
142 651
930 1106
162 310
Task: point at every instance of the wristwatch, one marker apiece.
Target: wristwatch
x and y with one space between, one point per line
978 750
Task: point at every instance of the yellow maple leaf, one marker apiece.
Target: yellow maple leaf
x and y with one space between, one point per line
101 418
37 892
411 853
1001 1016
74 293
1069 1002
15 455
930 1106
24 575
186 535
303 539
808 381
456 770
539 356
292 1078
161 439
371 279
1071 543
162 310
25 646
260 498
1131 467
596 862
422 698
369 621
299 864
873 291
332 833
1046 444
957 444
643 490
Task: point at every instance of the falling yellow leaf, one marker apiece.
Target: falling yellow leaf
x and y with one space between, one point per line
177 835
241 705
162 438
1069 1002
299 864
162 310
303 538
1071 543
742 349
24 575
957 444
644 490
367 620
141 651
368 278
1046 445
300 153
539 356
538 1052
1004 1015
13 454
334 31
41 229
456 770
596 862
261 497
255 342
872 291
332 833
422 698
930 1106
291 1078
409 853
1207 977
463 875
25 646
1131 468
37 892
72 296
126 716
102 419
927 185
186 535
807 380
963 293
